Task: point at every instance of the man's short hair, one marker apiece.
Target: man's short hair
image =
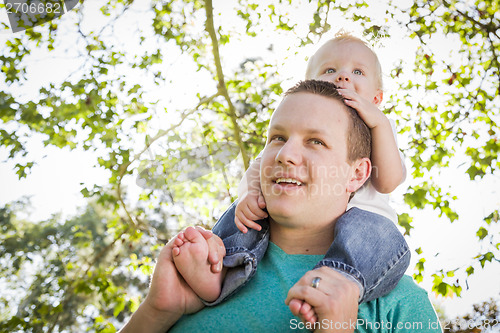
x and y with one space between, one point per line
359 140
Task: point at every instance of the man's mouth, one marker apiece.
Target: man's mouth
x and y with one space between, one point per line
288 181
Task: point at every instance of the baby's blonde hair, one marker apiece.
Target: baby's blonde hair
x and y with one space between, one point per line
344 36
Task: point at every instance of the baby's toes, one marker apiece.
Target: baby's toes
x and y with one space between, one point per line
179 240
194 236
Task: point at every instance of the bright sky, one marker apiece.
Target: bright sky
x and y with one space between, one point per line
55 182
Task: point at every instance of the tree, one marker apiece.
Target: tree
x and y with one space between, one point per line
459 114
83 264
485 317
112 101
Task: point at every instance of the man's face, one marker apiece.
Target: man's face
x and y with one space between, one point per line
349 65
304 169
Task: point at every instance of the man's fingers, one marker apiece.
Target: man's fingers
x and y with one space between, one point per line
216 250
207 234
214 256
216 268
305 293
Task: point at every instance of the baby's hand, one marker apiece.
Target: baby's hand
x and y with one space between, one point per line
367 110
249 209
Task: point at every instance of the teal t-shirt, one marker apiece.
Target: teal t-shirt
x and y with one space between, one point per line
260 305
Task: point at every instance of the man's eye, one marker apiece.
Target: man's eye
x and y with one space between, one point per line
358 72
277 138
330 71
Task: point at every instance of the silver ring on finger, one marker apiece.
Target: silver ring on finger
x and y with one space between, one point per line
315 282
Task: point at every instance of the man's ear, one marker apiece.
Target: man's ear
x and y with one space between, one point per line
360 172
378 97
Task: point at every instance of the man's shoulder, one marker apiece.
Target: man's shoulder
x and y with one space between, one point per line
406 287
407 309
407 292
407 283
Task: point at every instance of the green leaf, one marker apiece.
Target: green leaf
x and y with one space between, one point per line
405 221
481 233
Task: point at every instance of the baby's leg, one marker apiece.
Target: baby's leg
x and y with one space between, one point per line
191 259
368 249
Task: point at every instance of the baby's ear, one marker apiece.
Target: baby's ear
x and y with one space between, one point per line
378 97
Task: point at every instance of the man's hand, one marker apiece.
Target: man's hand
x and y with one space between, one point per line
335 299
216 249
168 299
250 208
367 110
168 292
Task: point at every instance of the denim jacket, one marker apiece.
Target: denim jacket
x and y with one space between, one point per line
367 249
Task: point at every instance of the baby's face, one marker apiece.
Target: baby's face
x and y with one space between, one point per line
349 65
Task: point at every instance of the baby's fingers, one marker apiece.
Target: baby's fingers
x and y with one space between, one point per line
261 202
347 93
253 212
247 221
252 225
241 227
353 104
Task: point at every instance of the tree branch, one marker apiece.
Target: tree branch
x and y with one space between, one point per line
221 86
489 28
124 167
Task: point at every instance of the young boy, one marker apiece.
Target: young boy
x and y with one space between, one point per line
365 248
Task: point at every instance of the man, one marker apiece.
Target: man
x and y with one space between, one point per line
316 156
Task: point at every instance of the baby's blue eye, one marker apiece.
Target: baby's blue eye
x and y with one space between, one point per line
330 71
358 72
317 142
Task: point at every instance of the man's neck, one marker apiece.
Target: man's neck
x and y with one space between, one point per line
302 240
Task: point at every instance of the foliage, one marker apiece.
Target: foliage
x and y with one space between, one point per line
87 264
484 318
122 100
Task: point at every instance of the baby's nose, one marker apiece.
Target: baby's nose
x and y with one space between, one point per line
342 77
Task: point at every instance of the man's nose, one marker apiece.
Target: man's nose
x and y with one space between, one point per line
289 154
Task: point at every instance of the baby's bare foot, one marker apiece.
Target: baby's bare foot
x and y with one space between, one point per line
191 259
